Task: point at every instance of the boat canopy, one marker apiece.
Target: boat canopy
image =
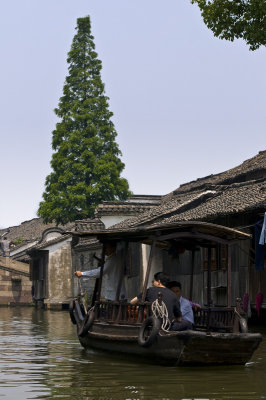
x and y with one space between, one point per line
188 235
199 233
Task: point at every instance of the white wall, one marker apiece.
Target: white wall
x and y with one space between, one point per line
110 220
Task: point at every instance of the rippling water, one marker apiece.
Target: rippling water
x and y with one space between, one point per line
41 358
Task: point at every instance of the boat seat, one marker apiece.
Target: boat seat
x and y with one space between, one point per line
215 319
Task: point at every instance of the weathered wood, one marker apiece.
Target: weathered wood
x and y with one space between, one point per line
192 275
121 276
148 272
209 299
101 273
181 348
192 235
229 277
213 341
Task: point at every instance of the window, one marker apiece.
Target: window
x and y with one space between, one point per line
218 257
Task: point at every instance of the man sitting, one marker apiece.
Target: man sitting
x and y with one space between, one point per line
168 297
185 307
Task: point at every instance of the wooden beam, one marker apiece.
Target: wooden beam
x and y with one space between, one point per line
192 275
144 291
229 277
209 300
192 235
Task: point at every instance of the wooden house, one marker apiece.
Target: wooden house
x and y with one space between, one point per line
55 256
235 198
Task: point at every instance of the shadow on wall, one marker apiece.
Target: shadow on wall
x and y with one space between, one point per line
16 288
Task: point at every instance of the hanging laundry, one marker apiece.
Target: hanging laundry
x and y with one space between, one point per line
262 240
259 300
259 249
245 302
246 305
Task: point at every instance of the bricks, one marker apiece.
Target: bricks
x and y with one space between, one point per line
15 288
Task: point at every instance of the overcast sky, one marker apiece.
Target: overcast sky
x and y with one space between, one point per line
185 104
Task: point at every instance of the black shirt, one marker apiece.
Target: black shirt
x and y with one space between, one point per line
168 297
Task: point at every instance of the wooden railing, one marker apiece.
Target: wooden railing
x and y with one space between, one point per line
206 319
215 319
121 312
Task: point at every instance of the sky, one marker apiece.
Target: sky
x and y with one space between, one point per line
185 104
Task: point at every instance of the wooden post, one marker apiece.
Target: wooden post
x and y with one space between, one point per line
101 273
144 291
209 300
229 277
192 274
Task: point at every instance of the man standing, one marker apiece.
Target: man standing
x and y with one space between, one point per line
111 272
185 306
5 243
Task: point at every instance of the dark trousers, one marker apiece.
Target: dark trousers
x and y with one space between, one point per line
181 326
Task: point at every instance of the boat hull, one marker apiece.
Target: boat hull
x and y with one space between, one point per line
176 348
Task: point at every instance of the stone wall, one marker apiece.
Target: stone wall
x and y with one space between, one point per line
59 276
15 284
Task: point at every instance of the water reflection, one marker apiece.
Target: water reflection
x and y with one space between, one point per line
42 358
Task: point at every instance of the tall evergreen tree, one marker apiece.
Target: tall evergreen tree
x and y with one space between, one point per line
85 164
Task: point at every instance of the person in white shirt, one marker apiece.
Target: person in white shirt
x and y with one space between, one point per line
185 306
111 272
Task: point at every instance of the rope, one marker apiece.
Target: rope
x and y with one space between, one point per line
91 310
160 311
237 313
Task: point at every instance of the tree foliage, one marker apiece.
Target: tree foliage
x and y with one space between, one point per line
234 19
86 164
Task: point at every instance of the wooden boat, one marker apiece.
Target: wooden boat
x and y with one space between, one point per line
219 336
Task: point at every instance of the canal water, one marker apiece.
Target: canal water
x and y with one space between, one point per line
41 358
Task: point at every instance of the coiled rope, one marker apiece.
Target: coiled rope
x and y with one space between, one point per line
160 311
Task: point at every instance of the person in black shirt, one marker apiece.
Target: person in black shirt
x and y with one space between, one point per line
168 297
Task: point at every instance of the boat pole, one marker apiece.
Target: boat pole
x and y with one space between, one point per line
144 291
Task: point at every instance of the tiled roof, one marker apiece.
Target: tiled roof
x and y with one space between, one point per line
237 198
165 208
251 169
44 244
133 206
31 230
85 243
237 190
88 225
23 255
124 209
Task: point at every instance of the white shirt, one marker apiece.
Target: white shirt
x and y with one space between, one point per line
111 273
